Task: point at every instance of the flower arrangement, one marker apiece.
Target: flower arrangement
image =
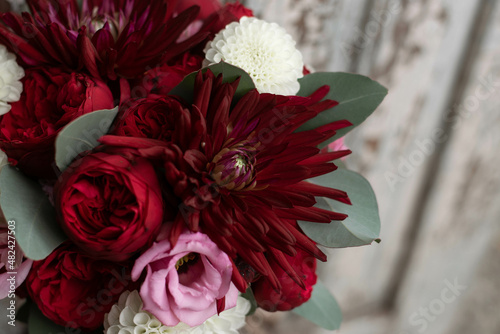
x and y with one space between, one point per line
173 166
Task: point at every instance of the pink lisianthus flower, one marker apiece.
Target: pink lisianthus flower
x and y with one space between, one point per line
187 282
19 265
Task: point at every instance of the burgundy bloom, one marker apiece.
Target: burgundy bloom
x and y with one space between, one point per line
239 170
231 12
109 38
207 7
109 203
152 117
74 290
162 79
291 294
51 99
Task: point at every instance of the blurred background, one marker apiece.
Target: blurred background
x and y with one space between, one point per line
431 153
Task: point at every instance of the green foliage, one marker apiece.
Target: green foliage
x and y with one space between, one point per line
229 73
358 97
23 201
361 227
82 135
322 309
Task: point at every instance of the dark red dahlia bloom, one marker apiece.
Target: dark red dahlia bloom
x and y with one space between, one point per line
240 172
51 99
76 291
291 294
109 38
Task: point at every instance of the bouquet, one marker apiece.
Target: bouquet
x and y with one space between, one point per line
172 166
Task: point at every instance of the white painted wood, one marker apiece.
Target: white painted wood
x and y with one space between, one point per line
418 52
318 26
460 235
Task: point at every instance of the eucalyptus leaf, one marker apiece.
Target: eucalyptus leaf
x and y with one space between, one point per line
322 309
361 227
358 97
82 134
229 73
23 201
248 295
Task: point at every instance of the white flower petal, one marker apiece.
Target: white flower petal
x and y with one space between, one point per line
126 317
10 80
264 50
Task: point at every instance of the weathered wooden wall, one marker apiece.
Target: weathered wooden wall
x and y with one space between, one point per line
429 152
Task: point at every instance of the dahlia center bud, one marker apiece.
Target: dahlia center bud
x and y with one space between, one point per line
234 168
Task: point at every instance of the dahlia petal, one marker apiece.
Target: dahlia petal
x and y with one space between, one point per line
285 265
89 55
320 191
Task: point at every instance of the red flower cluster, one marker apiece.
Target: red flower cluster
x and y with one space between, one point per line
230 170
51 99
224 160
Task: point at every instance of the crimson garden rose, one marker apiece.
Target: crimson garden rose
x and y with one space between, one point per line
152 117
110 204
74 290
292 294
207 7
51 99
162 79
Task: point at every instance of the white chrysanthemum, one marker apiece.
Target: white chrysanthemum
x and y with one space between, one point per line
228 322
128 317
264 50
10 75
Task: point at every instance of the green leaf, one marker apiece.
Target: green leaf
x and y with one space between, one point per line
358 97
322 309
39 324
361 227
230 74
82 134
248 295
23 201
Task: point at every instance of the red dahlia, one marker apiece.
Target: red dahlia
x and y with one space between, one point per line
109 38
239 170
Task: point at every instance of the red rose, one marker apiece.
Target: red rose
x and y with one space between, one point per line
161 80
207 7
231 12
110 204
291 294
152 117
76 291
51 99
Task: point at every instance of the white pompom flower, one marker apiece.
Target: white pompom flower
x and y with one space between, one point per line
228 321
10 80
264 50
128 317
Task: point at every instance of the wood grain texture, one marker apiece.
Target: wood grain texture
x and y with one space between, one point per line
428 160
